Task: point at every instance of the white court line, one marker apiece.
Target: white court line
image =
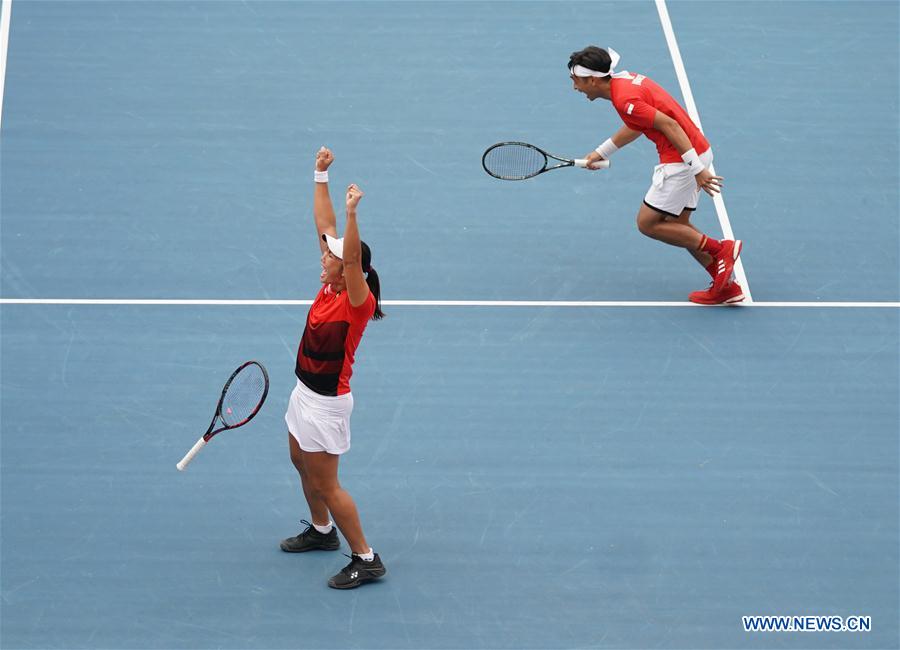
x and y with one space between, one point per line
434 303
5 16
691 107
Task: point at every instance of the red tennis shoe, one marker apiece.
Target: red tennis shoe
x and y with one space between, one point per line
731 294
725 260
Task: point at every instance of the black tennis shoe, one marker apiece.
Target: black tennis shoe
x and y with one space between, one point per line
357 572
311 540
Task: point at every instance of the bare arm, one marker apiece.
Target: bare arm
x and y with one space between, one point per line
679 139
323 211
621 137
625 136
673 132
354 277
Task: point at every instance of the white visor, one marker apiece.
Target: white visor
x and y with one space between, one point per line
335 245
581 71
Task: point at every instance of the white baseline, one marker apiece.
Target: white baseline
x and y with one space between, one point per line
438 303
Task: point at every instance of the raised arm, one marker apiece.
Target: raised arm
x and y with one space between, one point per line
354 276
323 211
622 137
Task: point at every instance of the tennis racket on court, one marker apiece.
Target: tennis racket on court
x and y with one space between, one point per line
243 396
516 161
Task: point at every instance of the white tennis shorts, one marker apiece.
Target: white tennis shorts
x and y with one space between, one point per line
319 422
673 188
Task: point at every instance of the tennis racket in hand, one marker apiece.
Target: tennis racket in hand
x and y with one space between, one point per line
516 161
243 396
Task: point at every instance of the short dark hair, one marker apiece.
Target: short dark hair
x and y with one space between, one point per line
591 57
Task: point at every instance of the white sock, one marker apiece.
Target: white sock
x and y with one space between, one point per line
367 557
324 529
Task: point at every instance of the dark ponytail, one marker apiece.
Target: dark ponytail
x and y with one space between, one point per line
375 288
371 278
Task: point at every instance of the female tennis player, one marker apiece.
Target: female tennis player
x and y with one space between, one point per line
318 415
684 157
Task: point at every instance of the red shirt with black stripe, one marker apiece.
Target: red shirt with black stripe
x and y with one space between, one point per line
637 98
333 331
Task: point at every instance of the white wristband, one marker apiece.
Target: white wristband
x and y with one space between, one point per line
692 160
607 149
321 177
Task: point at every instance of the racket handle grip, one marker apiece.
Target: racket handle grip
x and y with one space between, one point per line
188 457
600 164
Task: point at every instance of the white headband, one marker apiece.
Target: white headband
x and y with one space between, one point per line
581 71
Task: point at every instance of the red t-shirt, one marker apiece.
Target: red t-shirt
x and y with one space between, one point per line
637 98
333 331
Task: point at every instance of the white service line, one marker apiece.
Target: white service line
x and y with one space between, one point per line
691 107
5 16
432 303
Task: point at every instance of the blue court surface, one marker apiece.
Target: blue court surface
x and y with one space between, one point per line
604 467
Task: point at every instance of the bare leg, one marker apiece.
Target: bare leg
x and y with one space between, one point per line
320 475
673 231
317 508
705 259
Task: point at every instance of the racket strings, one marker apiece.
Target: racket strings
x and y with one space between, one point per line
244 395
514 161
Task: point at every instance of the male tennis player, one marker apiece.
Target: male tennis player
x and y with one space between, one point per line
318 415
684 158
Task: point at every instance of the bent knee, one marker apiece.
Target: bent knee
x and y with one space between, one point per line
647 226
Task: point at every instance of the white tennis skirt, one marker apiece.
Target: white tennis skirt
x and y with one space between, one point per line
319 422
